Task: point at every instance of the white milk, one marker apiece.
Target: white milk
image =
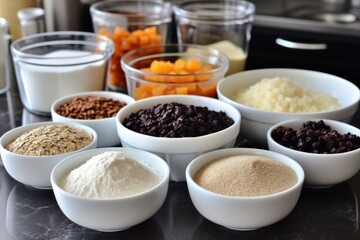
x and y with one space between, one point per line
44 84
236 55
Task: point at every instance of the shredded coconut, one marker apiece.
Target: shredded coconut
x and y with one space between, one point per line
110 175
283 95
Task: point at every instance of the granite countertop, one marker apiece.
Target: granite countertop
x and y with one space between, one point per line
28 213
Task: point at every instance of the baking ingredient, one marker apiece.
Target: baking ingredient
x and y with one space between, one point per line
48 79
110 175
246 176
125 41
176 120
90 107
179 67
188 76
283 95
236 55
50 140
316 137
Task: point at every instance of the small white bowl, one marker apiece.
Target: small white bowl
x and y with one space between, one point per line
243 213
178 152
114 214
105 128
321 170
255 123
35 170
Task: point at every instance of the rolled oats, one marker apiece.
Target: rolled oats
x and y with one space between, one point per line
50 140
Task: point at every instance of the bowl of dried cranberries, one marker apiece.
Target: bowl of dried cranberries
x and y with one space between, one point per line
328 150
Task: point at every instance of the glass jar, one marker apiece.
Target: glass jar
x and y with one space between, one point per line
130 24
221 24
54 64
4 56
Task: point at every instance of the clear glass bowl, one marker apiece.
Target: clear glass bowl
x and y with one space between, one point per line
142 83
130 24
54 64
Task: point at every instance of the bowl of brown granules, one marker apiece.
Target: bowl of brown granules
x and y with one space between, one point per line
30 152
244 188
94 109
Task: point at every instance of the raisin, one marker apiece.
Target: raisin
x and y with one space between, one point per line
315 137
176 120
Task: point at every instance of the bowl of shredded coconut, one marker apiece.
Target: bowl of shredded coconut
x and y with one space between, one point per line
30 152
265 97
110 189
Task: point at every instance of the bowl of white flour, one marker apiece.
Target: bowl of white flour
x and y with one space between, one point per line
110 189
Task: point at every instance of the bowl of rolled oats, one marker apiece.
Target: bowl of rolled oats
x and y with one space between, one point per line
30 152
96 109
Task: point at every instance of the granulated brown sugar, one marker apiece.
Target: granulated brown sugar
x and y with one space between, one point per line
246 176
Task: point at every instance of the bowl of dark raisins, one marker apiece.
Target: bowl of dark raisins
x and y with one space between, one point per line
266 97
328 150
178 128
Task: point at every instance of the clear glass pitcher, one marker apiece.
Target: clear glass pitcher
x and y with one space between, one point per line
4 56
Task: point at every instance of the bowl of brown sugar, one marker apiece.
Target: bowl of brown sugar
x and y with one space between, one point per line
245 188
95 109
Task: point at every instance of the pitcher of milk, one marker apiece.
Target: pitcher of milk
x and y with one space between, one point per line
4 56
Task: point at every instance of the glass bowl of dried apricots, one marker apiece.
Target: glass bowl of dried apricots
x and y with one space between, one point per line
167 69
130 24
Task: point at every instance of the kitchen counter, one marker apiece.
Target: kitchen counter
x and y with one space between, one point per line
28 213
322 214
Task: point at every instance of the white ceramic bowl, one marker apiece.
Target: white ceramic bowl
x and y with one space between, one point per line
35 170
243 213
321 170
111 214
178 152
105 128
255 123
